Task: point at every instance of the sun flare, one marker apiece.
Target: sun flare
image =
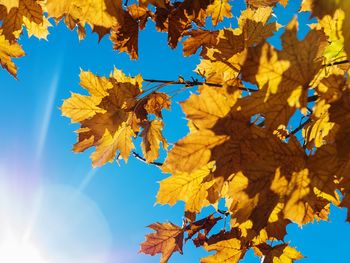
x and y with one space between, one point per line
13 251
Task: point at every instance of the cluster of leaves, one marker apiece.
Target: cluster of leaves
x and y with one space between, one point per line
241 147
121 22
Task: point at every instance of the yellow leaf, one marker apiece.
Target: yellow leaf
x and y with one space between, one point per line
333 27
320 8
283 77
7 52
97 86
227 251
105 13
264 3
109 144
298 188
40 31
219 69
152 137
255 27
109 118
282 253
79 107
218 10
191 188
193 151
119 76
319 129
205 109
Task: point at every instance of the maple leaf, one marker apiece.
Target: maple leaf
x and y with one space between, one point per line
107 116
96 86
156 102
321 8
79 107
193 151
216 68
109 144
139 13
316 132
209 106
218 10
9 4
178 23
105 13
125 36
255 27
14 19
167 240
283 77
158 3
264 3
152 137
333 28
205 225
197 39
101 31
224 56
7 52
229 250
282 253
176 19
191 188
339 152
40 31
197 10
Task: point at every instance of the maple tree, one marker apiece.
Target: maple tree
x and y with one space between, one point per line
240 147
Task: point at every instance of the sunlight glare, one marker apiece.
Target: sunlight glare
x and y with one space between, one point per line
43 130
13 251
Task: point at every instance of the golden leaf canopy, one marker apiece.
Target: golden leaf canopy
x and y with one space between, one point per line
268 127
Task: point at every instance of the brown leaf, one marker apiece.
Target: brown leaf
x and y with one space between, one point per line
197 39
14 19
205 224
281 253
152 137
156 102
167 240
125 36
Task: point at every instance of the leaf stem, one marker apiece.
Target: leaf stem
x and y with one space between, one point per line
142 159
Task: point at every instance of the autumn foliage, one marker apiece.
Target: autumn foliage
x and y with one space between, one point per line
243 146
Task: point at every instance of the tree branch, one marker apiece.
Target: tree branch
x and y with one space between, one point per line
191 83
341 62
142 159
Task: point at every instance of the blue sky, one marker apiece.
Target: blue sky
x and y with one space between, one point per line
73 213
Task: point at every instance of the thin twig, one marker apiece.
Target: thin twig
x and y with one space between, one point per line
142 159
312 98
192 83
300 127
336 63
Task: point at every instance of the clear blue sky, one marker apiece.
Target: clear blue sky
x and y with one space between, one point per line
72 213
